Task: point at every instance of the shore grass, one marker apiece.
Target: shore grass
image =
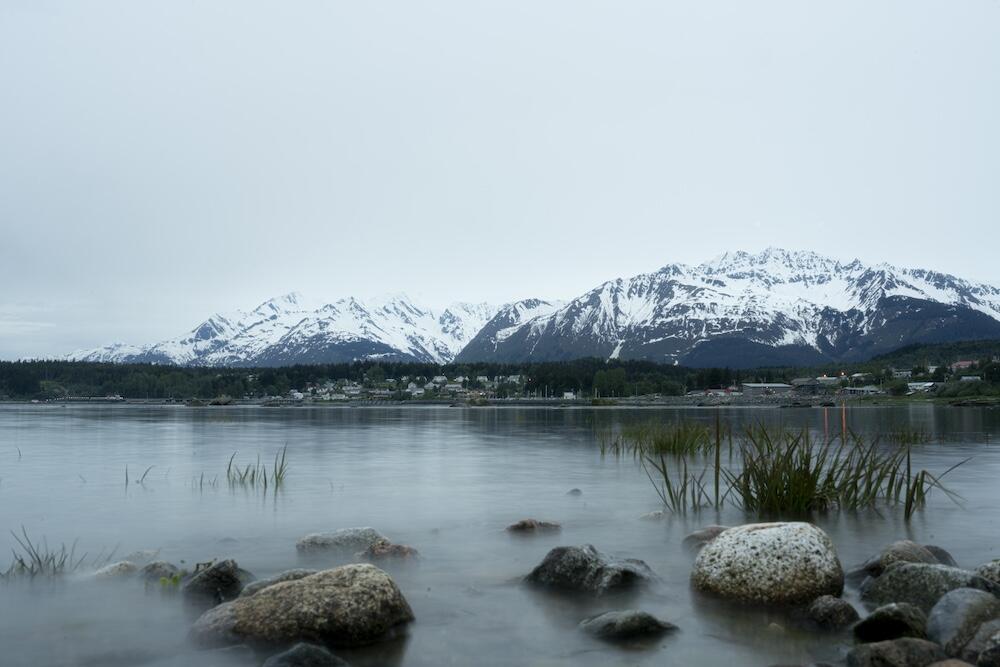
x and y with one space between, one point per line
776 471
33 560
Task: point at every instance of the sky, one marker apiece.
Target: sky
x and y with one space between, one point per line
164 160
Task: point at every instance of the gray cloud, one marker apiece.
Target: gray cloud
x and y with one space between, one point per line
164 160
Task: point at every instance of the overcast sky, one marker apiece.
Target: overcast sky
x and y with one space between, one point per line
160 161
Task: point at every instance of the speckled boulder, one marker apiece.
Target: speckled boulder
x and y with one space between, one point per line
921 584
287 575
120 570
989 571
769 563
343 542
352 605
587 570
305 655
831 613
626 624
892 621
906 652
216 583
956 617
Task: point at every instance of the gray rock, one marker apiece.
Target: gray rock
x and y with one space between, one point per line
942 556
142 557
921 584
950 662
533 526
352 605
990 655
769 563
831 613
976 647
703 536
990 571
219 582
905 652
120 570
585 569
902 551
157 570
305 655
287 575
574 492
655 515
956 617
343 542
384 550
892 621
625 624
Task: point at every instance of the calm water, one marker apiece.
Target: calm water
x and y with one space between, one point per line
444 480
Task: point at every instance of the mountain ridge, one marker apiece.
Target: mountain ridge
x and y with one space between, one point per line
740 308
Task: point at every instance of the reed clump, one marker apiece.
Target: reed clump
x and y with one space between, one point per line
258 474
770 471
33 560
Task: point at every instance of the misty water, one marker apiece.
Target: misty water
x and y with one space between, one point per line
444 480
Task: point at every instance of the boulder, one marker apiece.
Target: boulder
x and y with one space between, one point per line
905 652
831 613
533 526
287 575
699 538
902 551
157 570
625 624
990 655
351 605
921 584
384 550
892 621
942 555
120 570
343 542
218 582
956 617
585 569
305 655
987 636
769 563
989 571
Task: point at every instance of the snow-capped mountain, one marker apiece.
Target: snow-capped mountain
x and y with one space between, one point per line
291 330
741 309
776 307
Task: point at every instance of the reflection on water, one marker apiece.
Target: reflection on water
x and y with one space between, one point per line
444 480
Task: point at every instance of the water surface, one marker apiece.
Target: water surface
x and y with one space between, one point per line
444 480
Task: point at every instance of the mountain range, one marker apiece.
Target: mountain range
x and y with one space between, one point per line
775 307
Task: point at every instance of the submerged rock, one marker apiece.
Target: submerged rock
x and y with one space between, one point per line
625 624
287 575
831 613
769 563
574 492
703 536
157 570
343 542
892 621
142 557
587 570
533 526
655 515
120 570
351 605
219 582
384 550
921 584
905 652
956 617
305 655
